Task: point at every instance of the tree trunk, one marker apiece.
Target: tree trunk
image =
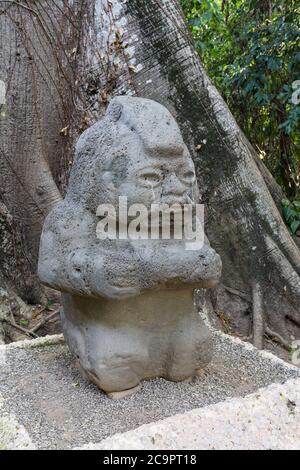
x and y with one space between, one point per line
143 48
34 156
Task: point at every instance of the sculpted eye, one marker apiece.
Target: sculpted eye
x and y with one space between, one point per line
189 176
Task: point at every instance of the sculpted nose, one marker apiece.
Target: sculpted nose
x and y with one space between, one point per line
173 186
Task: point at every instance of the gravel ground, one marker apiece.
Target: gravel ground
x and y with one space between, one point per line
43 389
269 419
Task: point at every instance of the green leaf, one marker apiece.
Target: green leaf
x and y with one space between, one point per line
24 322
297 204
294 226
285 202
289 213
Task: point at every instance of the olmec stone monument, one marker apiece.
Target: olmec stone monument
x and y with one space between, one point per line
128 305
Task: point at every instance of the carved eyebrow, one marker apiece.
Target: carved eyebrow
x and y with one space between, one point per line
167 151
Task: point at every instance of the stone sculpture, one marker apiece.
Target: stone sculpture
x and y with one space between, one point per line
128 305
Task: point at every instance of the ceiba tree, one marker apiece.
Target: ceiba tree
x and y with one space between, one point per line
61 63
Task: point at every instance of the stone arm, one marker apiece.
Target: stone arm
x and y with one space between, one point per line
73 260
169 264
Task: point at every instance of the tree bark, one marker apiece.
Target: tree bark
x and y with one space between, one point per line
143 48
34 156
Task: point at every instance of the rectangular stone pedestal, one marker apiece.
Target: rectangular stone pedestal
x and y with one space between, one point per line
45 404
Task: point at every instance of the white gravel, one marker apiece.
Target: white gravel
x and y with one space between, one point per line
46 396
266 420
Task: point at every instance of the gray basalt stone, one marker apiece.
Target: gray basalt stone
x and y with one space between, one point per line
128 305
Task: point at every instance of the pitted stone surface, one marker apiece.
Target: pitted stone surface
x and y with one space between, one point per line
137 152
43 389
128 305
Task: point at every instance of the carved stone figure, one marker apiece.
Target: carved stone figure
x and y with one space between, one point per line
128 305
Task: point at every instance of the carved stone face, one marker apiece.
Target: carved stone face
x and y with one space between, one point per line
139 153
150 177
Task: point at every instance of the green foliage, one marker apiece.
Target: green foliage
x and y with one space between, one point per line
291 213
251 50
49 304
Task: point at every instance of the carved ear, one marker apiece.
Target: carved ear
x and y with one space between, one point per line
114 111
